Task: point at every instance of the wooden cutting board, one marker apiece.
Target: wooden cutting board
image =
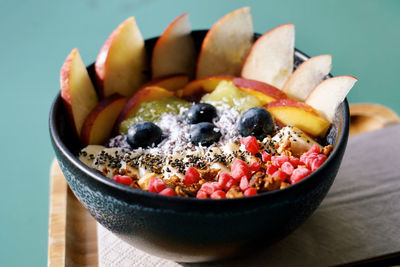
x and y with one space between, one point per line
73 232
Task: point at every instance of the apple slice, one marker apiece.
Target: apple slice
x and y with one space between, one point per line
226 45
264 92
194 90
328 94
145 94
170 82
99 123
122 63
310 73
300 115
174 52
77 90
271 57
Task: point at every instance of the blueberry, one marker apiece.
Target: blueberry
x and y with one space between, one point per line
144 134
256 122
204 133
201 112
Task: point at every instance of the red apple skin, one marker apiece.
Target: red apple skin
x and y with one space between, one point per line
84 86
103 59
249 85
170 82
292 103
233 65
113 105
298 114
194 90
144 94
186 60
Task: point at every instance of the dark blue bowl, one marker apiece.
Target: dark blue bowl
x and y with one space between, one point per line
188 229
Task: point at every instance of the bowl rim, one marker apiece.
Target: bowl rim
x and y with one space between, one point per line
56 140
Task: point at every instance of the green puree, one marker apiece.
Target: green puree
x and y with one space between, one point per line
227 93
153 110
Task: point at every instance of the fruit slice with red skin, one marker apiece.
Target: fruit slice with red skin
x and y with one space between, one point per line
77 91
300 115
197 88
271 57
145 94
226 45
170 82
266 93
122 63
174 52
328 94
97 127
310 73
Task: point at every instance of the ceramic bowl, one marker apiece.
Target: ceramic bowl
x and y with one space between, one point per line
189 229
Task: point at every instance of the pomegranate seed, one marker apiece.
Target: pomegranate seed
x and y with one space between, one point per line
126 180
299 174
191 176
250 143
230 183
309 159
218 194
223 179
317 162
239 169
280 174
250 192
314 149
271 169
201 194
255 166
295 162
265 156
287 168
156 185
168 192
244 183
279 160
208 188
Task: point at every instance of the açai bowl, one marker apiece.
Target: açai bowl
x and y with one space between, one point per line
197 144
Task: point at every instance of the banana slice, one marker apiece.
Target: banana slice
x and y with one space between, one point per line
89 153
110 160
293 139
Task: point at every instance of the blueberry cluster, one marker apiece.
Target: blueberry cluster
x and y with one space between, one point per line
203 131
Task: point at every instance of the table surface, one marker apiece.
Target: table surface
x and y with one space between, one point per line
361 35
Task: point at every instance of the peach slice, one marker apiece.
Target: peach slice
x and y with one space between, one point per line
300 115
99 123
170 82
122 63
194 90
174 52
77 90
146 94
310 73
226 45
264 92
271 57
328 94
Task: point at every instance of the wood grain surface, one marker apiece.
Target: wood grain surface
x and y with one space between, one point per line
73 232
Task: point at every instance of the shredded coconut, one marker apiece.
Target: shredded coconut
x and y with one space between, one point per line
176 131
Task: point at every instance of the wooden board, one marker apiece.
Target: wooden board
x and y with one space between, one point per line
73 232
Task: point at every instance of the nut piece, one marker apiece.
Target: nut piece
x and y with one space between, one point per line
144 180
234 192
271 183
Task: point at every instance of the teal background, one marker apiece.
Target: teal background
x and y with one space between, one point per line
36 36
